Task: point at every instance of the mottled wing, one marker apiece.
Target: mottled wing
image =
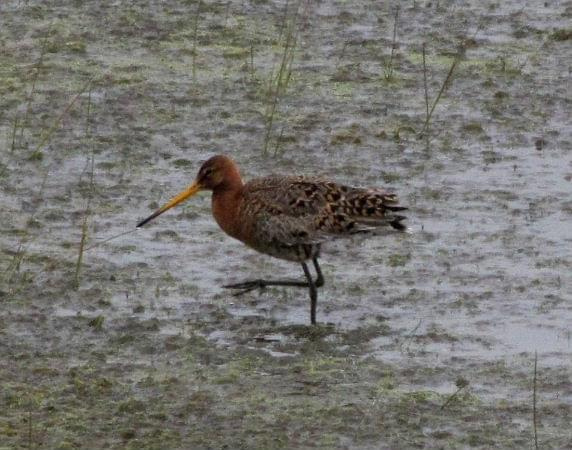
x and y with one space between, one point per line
294 195
277 217
306 210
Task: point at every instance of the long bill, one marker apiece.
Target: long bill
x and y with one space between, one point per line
189 192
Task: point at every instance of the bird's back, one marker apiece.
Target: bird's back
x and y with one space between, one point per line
285 214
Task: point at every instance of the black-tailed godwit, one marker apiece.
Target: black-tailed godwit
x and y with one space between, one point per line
288 217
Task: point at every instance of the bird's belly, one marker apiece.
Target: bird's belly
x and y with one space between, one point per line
296 253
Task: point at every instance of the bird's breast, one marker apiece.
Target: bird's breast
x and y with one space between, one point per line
225 209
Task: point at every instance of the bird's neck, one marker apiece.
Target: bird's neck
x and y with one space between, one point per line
226 201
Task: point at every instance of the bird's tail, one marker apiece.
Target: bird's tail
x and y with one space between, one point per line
375 208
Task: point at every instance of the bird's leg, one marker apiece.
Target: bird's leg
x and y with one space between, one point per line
320 279
312 284
313 289
250 285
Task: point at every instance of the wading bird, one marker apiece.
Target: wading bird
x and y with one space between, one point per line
288 217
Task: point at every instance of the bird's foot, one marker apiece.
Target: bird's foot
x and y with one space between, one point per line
246 286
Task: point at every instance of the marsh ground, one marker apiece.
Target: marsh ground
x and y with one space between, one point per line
108 108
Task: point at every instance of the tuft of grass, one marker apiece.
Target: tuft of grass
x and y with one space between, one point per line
37 68
388 69
14 132
456 61
351 135
398 260
15 264
461 384
473 128
87 211
37 156
97 323
278 84
561 35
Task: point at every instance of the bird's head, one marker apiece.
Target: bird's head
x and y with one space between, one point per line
217 173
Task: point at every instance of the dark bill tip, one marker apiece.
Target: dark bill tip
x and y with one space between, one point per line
148 219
